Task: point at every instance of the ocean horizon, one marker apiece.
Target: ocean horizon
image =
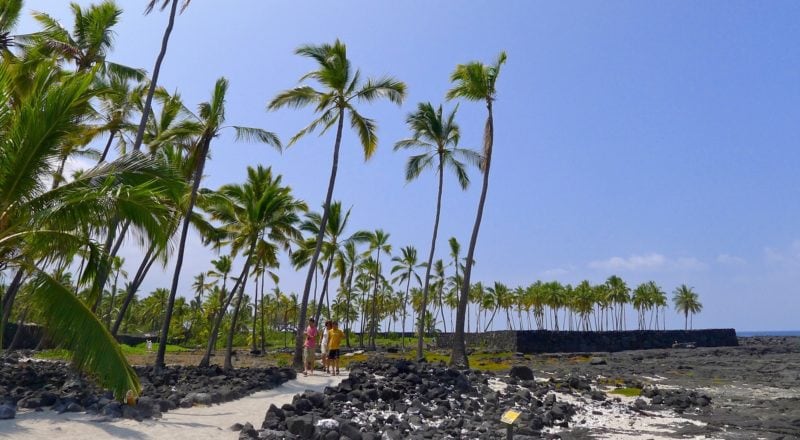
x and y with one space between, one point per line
768 333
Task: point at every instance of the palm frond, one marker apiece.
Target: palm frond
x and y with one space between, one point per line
295 98
366 130
250 134
74 327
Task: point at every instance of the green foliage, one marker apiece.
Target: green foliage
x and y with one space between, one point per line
629 392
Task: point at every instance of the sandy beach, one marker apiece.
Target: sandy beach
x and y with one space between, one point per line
196 423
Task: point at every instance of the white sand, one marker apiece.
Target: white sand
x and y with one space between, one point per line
197 423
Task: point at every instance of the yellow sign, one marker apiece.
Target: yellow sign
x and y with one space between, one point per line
510 416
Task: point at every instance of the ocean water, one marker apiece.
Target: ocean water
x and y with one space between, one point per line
769 333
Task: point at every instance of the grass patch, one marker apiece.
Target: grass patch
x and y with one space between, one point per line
629 392
56 354
141 349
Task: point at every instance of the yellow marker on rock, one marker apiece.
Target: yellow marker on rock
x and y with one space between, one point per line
510 416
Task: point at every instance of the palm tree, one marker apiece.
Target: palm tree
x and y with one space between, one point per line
261 213
91 39
157 69
474 81
39 227
378 242
347 260
210 122
116 267
9 16
342 88
405 269
659 300
437 136
619 294
687 302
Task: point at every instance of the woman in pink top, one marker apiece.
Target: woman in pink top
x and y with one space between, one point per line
310 348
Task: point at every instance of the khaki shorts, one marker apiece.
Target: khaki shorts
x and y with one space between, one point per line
309 355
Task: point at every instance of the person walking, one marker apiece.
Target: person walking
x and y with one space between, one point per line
310 348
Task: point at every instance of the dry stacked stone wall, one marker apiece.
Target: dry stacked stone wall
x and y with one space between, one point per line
545 341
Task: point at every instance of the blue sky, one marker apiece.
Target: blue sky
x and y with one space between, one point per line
653 140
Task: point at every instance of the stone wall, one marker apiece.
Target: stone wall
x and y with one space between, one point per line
545 341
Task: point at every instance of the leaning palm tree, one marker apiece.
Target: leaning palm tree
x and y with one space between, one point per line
137 143
342 88
210 122
437 136
40 227
687 302
474 81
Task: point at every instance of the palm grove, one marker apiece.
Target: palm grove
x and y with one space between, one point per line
60 234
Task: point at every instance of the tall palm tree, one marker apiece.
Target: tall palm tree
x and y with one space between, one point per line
659 299
210 122
406 272
437 136
347 260
89 42
258 213
619 294
342 88
687 302
159 59
378 242
474 81
40 227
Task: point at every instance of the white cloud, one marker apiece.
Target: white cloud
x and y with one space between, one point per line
789 257
731 260
649 262
555 273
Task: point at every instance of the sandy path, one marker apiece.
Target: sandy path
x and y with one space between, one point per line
197 423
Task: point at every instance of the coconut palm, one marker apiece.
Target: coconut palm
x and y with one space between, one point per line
258 218
210 123
157 69
437 136
379 243
659 301
9 16
342 88
406 272
619 295
40 227
347 260
687 302
474 81
89 42
334 240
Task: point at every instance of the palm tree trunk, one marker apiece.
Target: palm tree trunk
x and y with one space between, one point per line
263 342
255 317
228 365
324 286
108 146
373 328
491 318
424 305
148 102
226 301
147 261
198 175
8 301
458 356
405 307
297 360
349 305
